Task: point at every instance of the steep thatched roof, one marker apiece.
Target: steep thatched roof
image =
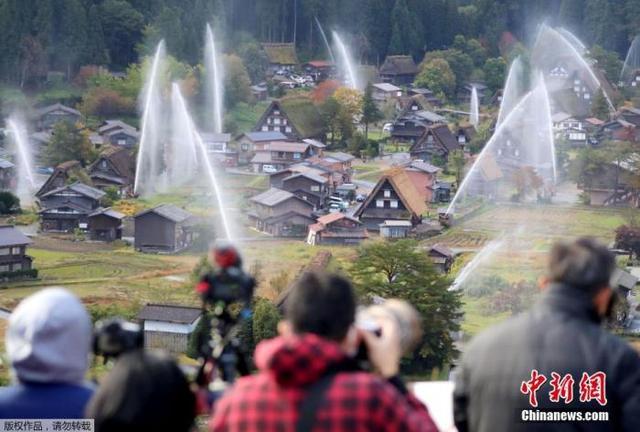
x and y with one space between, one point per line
281 53
399 65
304 116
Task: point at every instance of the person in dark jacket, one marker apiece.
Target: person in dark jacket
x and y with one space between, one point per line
319 337
48 340
543 370
145 391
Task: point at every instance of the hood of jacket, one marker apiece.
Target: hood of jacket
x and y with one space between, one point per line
48 338
299 360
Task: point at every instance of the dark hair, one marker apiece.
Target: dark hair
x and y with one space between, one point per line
143 392
323 304
584 264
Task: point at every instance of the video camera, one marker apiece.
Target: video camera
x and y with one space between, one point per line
115 336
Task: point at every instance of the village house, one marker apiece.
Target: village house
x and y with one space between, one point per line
310 187
63 174
568 128
424 177
282 57
279 155
436 143
464 95
275 179
394 197
630 114
164 229
337 163
168 327
394 229
14 261
485 180
281 213
399 70
426 94
7 172
411 125
115 167
337 229
68 207
48 116
442 192
618 130
259 92
624 282
118 133
320 70
248 143
442 257
465 134
383 92
296 117
316 147
105 224
217 146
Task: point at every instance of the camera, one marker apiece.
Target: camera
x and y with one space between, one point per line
403 316
115 336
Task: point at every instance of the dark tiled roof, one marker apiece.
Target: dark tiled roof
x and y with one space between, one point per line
55 107
80 188
169 313
11 236
169 211
272 197
442 250
266 136
446 138
107 212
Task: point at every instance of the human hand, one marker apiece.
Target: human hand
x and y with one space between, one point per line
384 350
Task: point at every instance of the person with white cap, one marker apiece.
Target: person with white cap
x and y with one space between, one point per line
47 342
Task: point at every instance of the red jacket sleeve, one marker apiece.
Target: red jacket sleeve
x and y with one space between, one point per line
401 412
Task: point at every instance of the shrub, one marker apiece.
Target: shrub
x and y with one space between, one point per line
9 203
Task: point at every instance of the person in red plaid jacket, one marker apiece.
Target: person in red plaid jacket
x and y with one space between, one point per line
318 338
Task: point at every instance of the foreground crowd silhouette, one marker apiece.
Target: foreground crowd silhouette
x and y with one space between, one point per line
309 377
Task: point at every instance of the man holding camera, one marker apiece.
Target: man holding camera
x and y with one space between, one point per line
309 380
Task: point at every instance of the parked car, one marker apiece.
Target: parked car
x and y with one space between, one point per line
388 127
361 198
44 170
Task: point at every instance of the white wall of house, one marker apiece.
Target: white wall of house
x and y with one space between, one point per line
162 326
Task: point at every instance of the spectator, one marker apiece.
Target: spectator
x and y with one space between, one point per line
307 378
143 392
48 340
561 334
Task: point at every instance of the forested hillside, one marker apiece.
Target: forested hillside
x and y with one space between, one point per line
39 36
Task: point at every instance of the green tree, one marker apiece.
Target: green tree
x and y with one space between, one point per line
265 320
69 142
255 60
237 84
461 64
405 30
122 26
600 106
95 47
608 61
400 270
9 203
370 111
494 73
456 165
437 76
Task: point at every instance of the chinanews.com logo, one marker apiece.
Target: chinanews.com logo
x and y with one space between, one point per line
590 388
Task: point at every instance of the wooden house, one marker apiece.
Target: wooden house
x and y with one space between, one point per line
7 172
296 117
164 229
105 224
436 142
168 327
218 149
308 186
279 155
395 229
48 116
394 197
630 114
115 167
337 229
464 95
248 143
281 213
260 92
68 207
13 252
424 177
383 92
399 70
320 70
465 134
118 133
411 125
441 257
427 95
282 57
62 175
